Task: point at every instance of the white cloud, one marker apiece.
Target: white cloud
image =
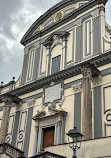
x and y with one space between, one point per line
108 12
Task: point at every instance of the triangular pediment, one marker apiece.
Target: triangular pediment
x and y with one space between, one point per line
52 113
39 115
52 17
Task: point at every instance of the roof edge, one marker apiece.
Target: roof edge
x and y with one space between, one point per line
46 15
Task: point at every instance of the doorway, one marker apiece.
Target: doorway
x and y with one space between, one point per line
48 136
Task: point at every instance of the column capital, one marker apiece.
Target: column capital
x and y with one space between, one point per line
37 45
26 50
86 72
89 71
47 44
36 125
9 98
59 123
64 36
78 22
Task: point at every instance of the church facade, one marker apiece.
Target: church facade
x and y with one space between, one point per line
65 82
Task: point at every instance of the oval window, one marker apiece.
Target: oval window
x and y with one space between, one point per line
58 16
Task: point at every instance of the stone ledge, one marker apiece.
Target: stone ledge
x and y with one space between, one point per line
7 150
47 154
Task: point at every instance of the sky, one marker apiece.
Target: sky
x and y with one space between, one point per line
16 16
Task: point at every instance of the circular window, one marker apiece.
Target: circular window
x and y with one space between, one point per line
58 16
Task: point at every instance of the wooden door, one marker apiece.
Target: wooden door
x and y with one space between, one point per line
48 137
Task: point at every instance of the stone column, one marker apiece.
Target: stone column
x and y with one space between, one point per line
40 135
5 119
87 104
59 126
64 51
55 135
36 138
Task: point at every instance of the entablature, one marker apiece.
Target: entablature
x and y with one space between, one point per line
98 61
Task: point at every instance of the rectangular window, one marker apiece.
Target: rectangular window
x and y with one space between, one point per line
55 64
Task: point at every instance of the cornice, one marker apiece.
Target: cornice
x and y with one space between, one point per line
28 37
62 75
8 84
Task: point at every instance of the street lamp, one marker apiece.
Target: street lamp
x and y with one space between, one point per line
77 138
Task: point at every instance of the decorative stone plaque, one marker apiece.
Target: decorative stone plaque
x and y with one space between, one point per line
53 93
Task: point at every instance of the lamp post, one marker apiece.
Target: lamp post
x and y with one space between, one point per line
77 138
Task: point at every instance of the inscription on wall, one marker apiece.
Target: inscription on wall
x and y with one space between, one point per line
53 93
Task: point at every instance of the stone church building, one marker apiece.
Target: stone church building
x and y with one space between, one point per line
65 82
